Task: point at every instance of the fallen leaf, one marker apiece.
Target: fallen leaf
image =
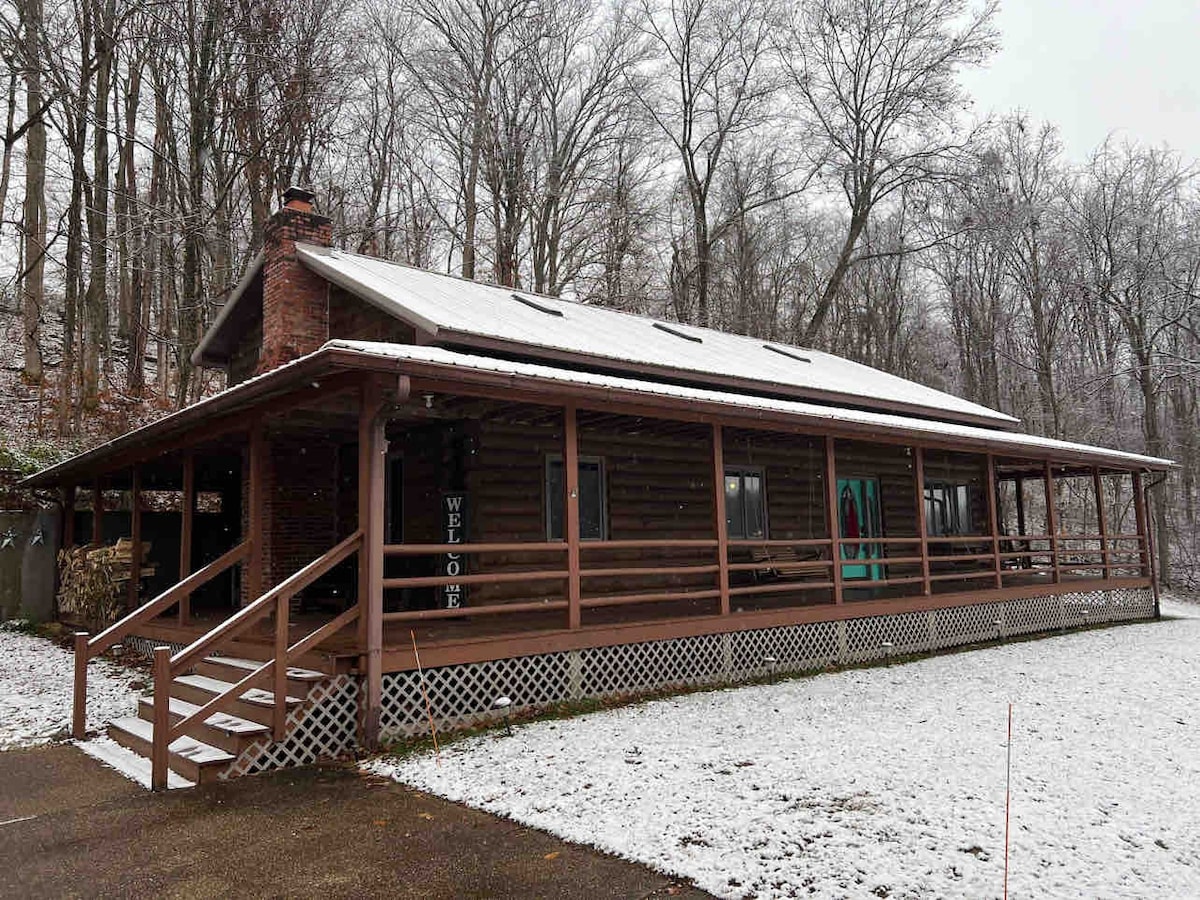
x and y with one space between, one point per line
381 822
425 816
553 855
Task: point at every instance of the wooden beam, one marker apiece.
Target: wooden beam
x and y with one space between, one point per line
922 525
373 426
832 524
719 517
97 514
571 508
135 539
1051 519
255 523
1101 520
1143 525
993 518
186 522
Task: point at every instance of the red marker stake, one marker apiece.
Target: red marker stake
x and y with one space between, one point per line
1007 799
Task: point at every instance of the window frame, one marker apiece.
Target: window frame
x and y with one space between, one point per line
741 472
963 524
599 462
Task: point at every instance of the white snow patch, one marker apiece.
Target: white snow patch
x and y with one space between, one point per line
885 781
131 765
37 679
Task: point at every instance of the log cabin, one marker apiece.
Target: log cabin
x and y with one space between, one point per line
419 494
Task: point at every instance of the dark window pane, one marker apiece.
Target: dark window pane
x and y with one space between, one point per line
735 515
591 501
753 497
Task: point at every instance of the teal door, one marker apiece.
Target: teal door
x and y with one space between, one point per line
860 520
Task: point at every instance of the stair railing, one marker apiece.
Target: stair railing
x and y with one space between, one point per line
87 649
277 600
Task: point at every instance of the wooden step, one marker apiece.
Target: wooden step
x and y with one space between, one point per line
255 704
193 759
233 669
230 733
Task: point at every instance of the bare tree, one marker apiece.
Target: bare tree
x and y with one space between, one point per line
875 85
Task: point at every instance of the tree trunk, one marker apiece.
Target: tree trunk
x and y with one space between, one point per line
33 284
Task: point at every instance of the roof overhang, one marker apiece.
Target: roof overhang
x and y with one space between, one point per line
436 368
216 344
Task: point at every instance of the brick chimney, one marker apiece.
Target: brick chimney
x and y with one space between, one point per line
295 301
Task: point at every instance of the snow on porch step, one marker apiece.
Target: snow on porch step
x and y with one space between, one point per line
231 725
255 696
195 751
251 665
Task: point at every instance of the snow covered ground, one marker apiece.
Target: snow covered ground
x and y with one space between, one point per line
885 782
37 685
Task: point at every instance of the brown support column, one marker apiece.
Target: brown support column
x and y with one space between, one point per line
1019 491
831 517
922 526
254 517
719 526
1051 519
1102 522
135 539
1143 530
97 513
372 431
68 520
571 507
186 523
993 519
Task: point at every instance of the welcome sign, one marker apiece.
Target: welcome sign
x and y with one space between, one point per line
454 531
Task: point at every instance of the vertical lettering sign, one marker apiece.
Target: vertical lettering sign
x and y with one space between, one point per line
454 531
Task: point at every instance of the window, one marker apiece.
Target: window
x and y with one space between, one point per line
593 505
745 510
947 509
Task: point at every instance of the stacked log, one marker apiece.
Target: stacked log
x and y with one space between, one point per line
94 582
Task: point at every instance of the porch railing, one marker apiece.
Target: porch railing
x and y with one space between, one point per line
88 648
278 601
977 558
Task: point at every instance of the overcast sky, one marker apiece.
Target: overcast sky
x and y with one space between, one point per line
1097 66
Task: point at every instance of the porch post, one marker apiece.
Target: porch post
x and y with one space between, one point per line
97 513
68 521
186 522
993 519
372 453
722 532
135 539
254 519
922 525
1019 492
831 517
571 488
1101 521
1051 519
1139 512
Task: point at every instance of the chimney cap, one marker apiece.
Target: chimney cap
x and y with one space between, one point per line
299 198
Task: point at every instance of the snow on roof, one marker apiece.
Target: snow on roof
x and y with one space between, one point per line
882 422
461 312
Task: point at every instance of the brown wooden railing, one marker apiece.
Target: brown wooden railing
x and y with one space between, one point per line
278 601
87 649
982 558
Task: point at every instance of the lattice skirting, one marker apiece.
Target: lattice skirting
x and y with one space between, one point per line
461 696
325 726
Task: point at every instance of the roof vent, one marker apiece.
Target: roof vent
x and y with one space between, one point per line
788 352
662 326
540 307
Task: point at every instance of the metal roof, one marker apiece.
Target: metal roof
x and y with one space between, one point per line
461 313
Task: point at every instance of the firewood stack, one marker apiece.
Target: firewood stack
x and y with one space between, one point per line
94 585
